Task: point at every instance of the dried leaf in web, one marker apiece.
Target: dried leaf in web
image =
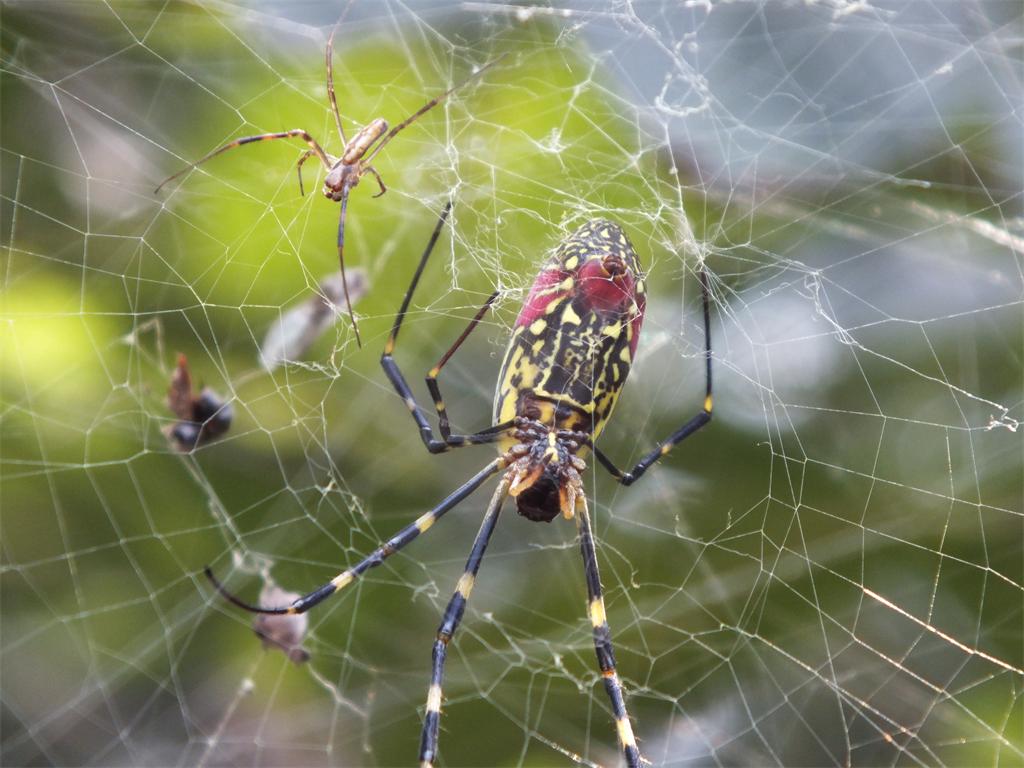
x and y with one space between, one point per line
284 632
299 326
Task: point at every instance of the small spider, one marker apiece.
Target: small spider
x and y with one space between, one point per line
203 417
345 172
570 353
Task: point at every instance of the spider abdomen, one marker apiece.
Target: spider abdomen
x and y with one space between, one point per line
575 337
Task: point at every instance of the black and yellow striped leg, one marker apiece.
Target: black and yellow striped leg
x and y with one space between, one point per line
421 525
698 421
603 641
341 262
432 385
397 379
450 623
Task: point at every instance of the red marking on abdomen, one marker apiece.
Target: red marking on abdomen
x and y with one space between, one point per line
537 301
606 292
637 322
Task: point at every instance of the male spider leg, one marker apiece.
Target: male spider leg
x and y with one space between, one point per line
314 148
298 168
329 56
421 525
698 421
603 640
394 374
380 181
426 108
341 260
450 622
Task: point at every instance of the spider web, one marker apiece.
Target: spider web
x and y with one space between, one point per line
829 574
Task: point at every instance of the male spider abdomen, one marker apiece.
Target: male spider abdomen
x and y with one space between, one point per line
575 337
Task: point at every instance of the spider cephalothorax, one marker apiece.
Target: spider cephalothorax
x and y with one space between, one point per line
544 477
348 169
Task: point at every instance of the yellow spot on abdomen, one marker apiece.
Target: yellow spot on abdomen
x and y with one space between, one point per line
547 412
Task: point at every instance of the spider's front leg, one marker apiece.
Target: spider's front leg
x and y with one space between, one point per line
430 440
314 148
603 641
450 622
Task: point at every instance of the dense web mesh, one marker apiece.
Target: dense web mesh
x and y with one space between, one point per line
829 574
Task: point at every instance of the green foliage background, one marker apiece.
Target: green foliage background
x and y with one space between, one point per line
740 575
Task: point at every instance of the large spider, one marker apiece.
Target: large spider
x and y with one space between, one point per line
569 355
344 172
